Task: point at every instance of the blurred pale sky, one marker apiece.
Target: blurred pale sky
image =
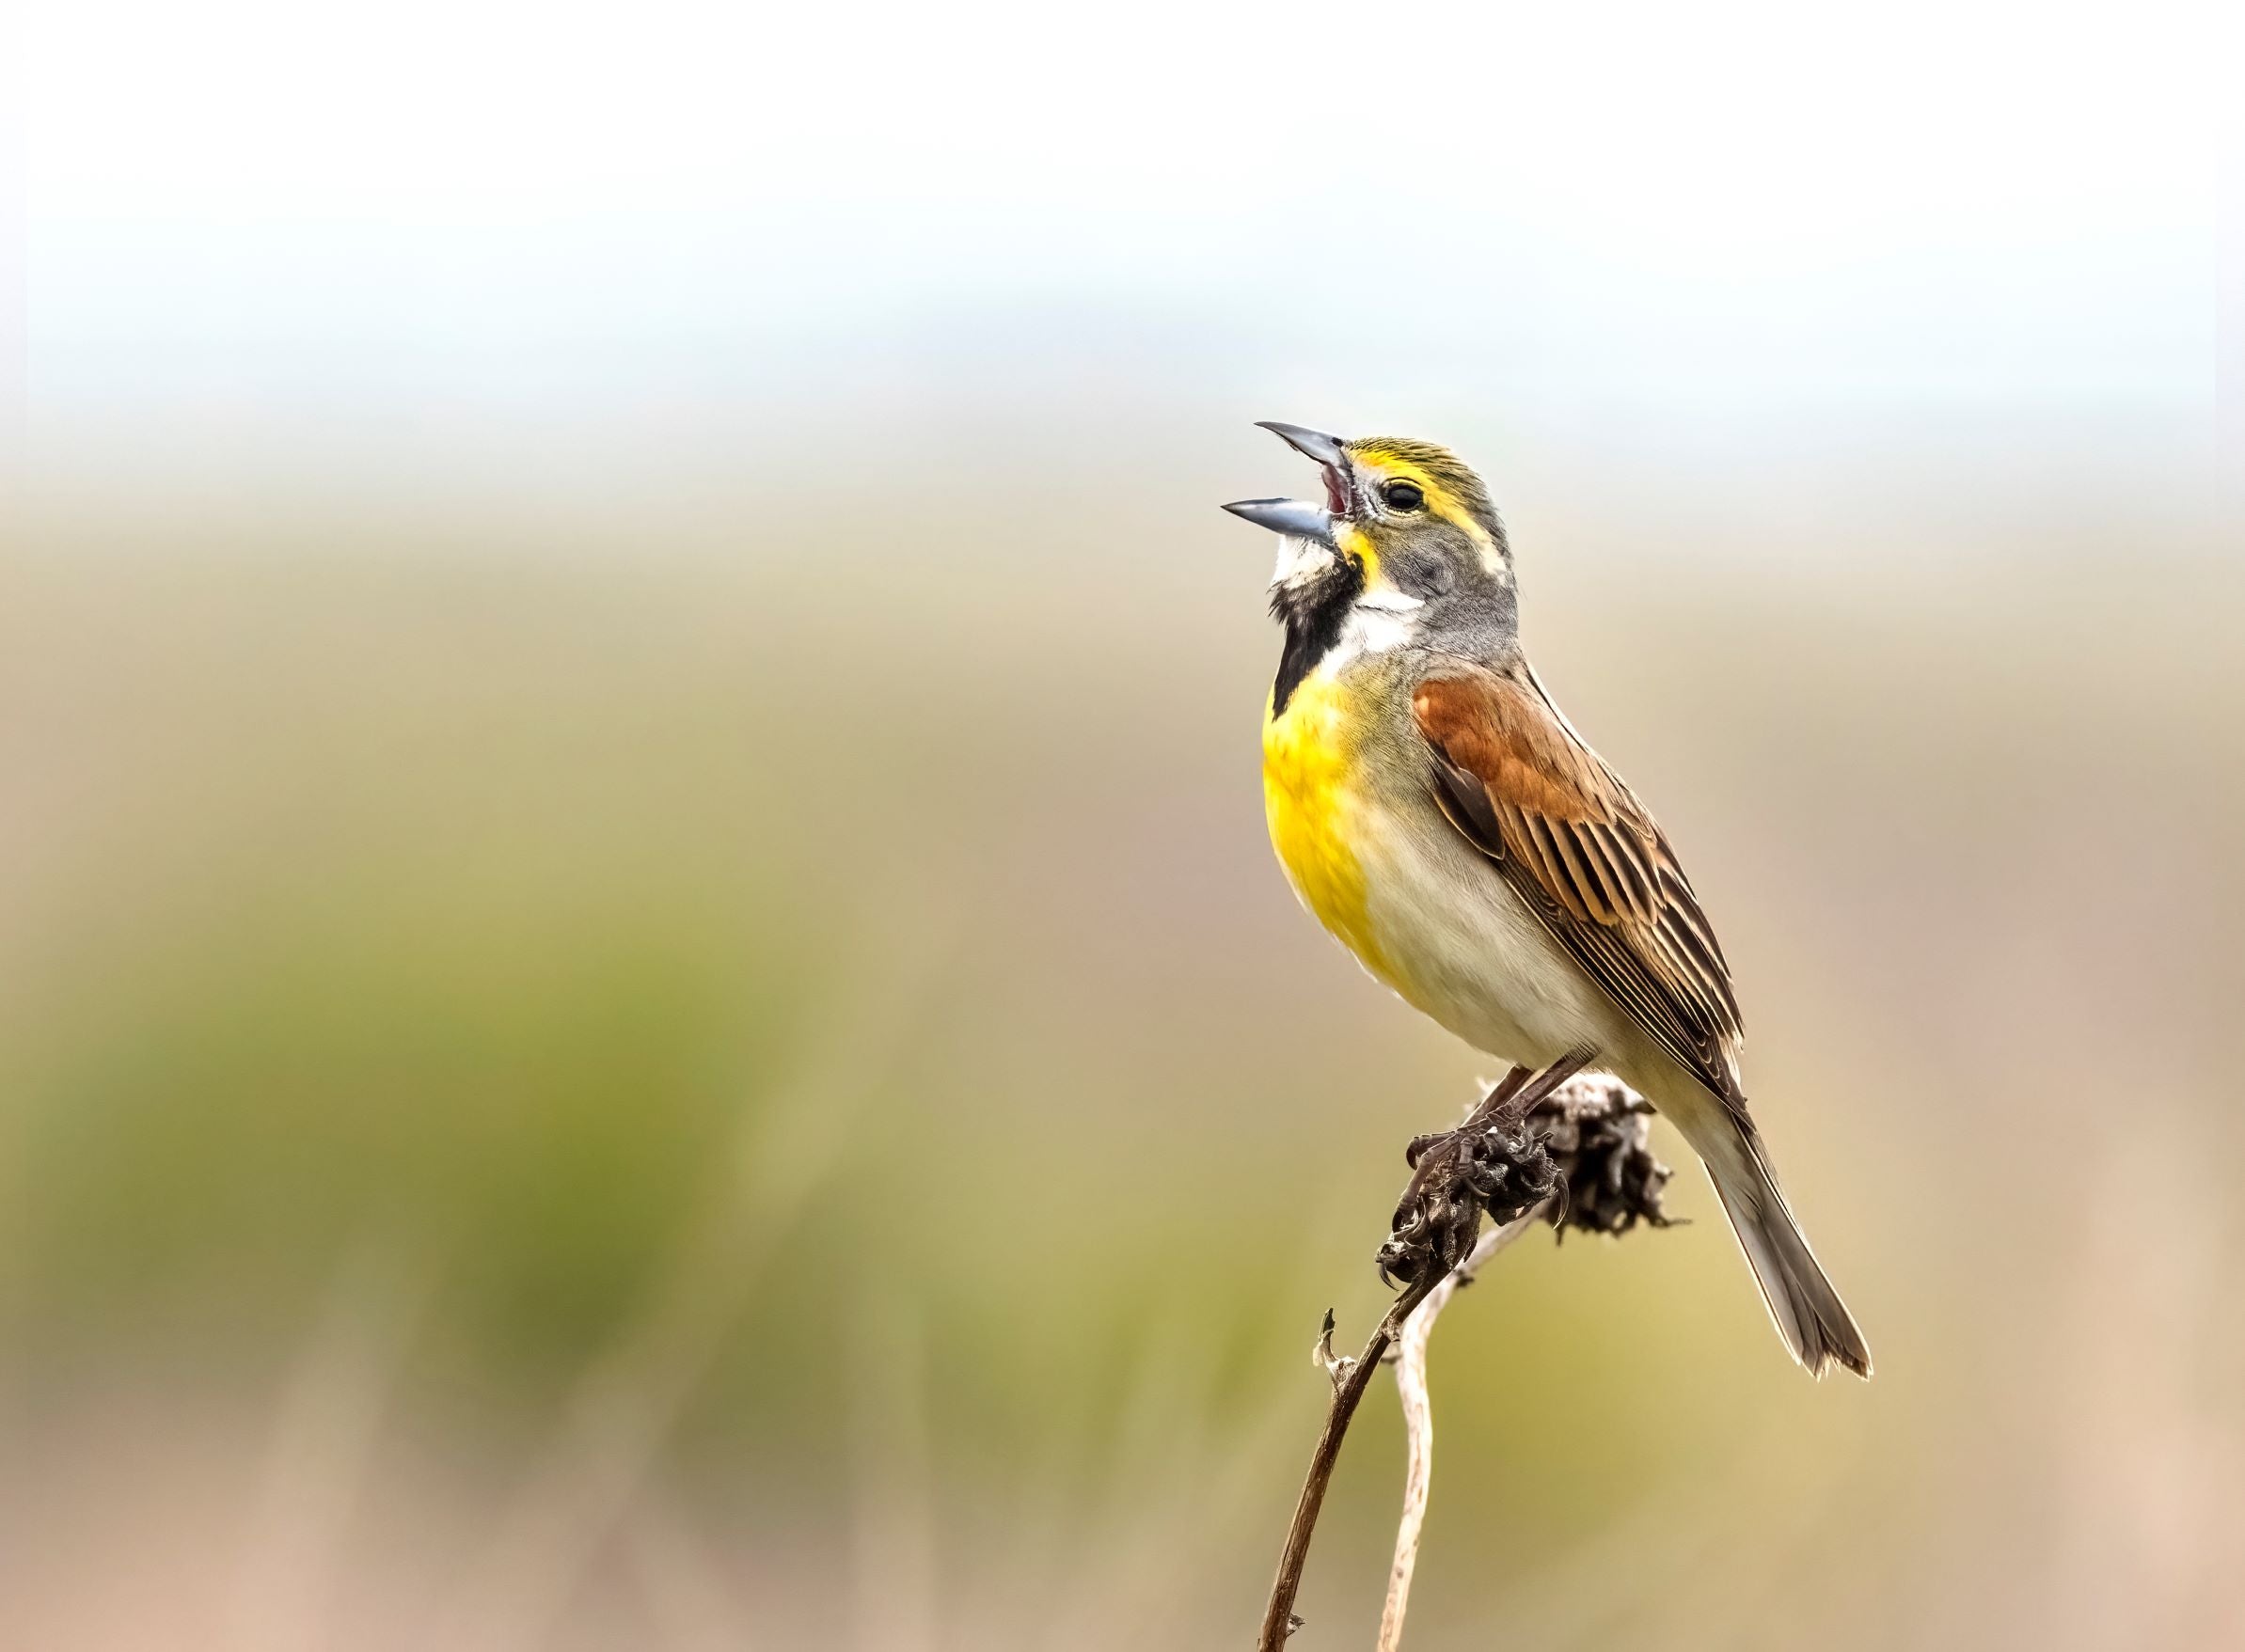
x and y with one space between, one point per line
269 238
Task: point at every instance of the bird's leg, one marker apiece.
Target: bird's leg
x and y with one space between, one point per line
1491 1163
1417 1150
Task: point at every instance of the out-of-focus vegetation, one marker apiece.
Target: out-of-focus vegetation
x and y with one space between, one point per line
745 1078
641 1000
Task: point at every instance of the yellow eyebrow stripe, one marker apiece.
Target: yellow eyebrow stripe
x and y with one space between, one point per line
1440 500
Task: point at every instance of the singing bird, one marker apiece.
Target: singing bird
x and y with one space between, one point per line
1436 812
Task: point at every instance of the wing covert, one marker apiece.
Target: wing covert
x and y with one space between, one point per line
1586 857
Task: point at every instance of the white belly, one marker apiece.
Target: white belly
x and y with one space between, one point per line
1461 947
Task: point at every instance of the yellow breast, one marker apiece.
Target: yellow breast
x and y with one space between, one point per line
1311 799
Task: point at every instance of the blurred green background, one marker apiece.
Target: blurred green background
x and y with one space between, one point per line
641 1000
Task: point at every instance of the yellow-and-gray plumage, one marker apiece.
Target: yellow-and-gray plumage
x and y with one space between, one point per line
1435 811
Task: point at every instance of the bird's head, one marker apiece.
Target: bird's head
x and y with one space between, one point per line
1405 538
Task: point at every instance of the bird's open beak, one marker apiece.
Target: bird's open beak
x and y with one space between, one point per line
1317 445
1295 518
1300 518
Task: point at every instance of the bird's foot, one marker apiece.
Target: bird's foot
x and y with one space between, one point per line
1494 1164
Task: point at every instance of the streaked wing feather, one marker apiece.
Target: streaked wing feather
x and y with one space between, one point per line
1586 857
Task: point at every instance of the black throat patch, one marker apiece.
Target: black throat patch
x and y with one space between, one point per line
1313 614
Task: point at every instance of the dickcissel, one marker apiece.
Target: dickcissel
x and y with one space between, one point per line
1438 815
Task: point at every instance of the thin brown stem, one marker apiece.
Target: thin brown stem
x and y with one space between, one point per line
1348 1383
1505 1104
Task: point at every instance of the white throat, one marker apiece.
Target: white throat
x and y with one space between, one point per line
1378 621
1301 561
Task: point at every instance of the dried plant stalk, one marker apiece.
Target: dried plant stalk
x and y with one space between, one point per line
1539 1146
1418 1419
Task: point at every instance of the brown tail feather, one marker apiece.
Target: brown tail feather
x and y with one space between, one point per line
1808 1312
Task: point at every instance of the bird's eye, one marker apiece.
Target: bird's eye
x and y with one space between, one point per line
1403 495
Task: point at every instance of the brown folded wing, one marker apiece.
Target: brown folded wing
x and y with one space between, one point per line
1586 857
